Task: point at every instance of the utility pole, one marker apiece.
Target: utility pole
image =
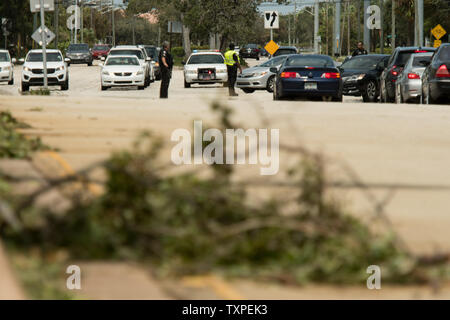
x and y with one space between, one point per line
393 25
113 24
420 22
82 22
381 27
337 28
44 43
134 26
289 29
316 26
358 24
76 23
56 24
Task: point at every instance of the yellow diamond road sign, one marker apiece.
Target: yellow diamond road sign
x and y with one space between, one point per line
437 43
438 32
271 47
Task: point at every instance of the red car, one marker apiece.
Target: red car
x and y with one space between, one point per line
100 50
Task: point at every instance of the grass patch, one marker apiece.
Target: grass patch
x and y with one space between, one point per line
38 92
14 144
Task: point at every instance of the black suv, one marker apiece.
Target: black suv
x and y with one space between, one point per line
79 53
394 67
361 76
250 51
285 51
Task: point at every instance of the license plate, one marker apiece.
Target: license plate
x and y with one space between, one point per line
205 77
310 86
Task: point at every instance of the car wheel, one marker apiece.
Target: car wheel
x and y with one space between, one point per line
65 86
187 85
11 82
25 87
428 98
270 83
104 88
398 95
370 92
338 99
89 64
383 93
247 90
276 95
257 58
141 87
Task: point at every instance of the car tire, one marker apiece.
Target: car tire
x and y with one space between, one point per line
338 99
11 82
257 58
247 90
89 64
383 93
104 88
398 95
65 86
370 92
270 84
276 95
141 87
25 87
428 99
187 85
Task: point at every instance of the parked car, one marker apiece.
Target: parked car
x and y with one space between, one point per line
436 77
250 51
153 53
79 53
264 53
141 55
119 71
100 51
285 50
395 66
33 69
6 67
311 75
205 67
361 76
409 83
259 77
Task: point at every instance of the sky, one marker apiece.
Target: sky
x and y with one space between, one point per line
286 9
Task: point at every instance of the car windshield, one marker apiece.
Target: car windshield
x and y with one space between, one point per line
314 61
126 52
362 62
101 48
417 61
206 59
403 57
51 57
281 52
78 48
251 46
4 57
152 52
273 62
122 61
445 54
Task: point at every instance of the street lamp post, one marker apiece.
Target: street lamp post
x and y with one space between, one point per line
113 24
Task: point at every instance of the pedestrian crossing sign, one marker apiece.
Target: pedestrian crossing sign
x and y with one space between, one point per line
438 32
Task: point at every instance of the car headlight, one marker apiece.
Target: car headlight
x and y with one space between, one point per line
7 68
358 76
191 71
27 69
221 70
139 73
105 73
260 74
61 68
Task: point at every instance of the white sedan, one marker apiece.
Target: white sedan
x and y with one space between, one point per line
6 67
205 67
122 71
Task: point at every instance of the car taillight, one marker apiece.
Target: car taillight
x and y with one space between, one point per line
413 76
420 51
442 72
331 75
393 71
289 74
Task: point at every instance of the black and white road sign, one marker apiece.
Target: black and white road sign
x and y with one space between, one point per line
35 5
37 35
271 20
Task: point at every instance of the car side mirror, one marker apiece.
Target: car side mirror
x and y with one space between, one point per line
102 59
148 59
22 60
67 60
273 70
183 63
14 60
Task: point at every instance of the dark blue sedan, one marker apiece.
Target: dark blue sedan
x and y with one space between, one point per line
436 77
311 75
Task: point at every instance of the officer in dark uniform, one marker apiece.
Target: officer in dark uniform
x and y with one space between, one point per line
360 50
166 65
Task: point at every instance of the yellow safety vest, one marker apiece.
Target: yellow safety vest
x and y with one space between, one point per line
229 60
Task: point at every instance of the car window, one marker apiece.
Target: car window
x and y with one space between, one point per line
101 48
119 61
281 52
314 61
403 57
127 52
206 58
4 57
38 57
274 62
444 55
78 48
362 62
251 46
417 60
152 52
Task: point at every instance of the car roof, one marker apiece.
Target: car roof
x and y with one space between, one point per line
127 47
309 55
287 47
3 50
48 51
415 48
206 52
123 56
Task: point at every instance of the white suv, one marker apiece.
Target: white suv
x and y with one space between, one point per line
6 67
33 70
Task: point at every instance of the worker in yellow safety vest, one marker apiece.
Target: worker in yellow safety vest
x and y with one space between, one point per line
232 62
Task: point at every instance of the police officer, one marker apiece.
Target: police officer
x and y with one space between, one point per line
166 65
360 50
232 62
